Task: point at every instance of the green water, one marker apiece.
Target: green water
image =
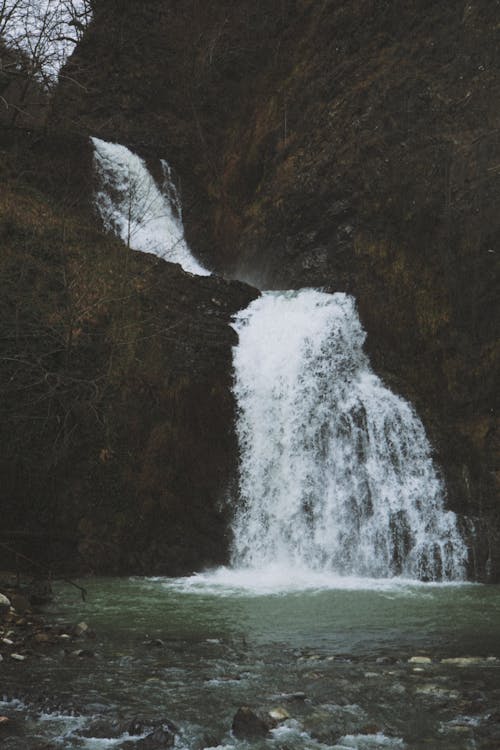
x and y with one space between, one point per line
194 653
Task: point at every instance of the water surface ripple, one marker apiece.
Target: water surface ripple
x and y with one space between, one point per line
340 658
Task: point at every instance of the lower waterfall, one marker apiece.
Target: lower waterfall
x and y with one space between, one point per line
336 471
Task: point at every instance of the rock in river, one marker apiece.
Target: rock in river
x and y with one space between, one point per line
248 725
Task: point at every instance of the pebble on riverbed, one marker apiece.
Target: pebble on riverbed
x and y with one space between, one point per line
24 633
420 660
468 661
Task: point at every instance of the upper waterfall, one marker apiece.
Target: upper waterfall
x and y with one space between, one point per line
132 205
336 471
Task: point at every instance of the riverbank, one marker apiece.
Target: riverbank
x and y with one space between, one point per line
27 633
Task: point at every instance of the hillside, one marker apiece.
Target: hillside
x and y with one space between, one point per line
117 412
352 146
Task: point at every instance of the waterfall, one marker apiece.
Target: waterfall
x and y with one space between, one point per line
336 471
132 205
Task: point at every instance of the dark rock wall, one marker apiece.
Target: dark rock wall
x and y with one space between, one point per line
351 145
118 453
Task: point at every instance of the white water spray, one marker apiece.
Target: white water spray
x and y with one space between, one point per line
336 471
132 206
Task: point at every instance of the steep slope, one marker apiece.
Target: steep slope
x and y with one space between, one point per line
117 414
350 145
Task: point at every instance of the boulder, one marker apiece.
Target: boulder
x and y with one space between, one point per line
81 629
247 724
278 714
103 729
20 603
143 726
5 604
162 737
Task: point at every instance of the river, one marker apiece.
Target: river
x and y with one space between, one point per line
340 655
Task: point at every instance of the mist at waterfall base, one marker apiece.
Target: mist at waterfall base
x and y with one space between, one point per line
133 206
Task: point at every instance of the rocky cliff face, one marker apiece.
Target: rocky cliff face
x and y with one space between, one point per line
117 446
350 145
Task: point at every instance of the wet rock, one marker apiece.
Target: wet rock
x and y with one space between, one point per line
4 720
140 725
40 592
372 729
278 714
18 657
156 643
247 724
291 697
420 660
332 721
463 661
42 638
105 729
108 728
81 629
20 603
384 660
162 736
83 653
4 604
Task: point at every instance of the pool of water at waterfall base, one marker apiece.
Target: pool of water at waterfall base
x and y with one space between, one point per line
355 663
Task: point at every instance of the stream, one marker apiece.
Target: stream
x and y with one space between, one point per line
342 656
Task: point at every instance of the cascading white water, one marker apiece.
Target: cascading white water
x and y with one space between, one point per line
132 206
336 471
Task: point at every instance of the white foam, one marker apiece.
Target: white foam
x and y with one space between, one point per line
336 473
275 579
377 741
